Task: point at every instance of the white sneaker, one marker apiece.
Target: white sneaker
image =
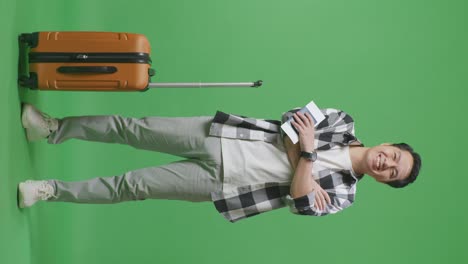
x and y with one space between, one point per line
38 125
29 192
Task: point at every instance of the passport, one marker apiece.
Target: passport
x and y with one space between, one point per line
310 108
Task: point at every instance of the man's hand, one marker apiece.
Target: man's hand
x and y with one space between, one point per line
321 197
305 126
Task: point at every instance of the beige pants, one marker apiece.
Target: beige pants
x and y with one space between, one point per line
192 179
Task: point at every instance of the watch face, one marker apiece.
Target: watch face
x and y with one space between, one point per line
312 156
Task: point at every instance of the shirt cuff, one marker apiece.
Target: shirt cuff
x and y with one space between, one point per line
301 204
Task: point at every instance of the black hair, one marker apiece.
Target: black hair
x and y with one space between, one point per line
414 170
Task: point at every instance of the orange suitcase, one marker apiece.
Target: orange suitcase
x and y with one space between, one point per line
94 61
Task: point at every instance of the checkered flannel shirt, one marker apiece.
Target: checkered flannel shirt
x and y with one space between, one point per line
337 130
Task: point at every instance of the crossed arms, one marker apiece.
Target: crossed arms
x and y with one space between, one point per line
303 182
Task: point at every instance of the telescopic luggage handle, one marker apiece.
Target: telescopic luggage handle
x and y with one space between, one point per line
205 85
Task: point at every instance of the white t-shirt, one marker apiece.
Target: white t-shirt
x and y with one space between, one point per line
248 162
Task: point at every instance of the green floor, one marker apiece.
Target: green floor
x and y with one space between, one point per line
398 67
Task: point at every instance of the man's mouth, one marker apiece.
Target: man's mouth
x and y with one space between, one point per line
378 162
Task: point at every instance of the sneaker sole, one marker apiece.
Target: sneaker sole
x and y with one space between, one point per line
20 196
24 118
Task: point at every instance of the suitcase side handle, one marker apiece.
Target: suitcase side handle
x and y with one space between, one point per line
87 69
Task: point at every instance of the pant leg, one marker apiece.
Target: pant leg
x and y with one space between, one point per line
189 180
181 136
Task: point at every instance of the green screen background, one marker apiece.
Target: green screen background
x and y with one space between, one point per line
398 67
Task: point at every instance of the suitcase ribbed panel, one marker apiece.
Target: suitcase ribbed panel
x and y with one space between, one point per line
50 79
92 41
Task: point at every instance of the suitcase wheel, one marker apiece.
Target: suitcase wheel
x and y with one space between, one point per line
29 39
30 81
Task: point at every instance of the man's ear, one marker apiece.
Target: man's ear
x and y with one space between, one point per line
386 144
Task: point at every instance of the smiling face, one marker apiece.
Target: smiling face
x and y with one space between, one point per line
387 163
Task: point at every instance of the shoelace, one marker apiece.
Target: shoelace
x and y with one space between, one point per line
45 191
49 122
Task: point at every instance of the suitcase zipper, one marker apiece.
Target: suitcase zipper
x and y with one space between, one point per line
35 57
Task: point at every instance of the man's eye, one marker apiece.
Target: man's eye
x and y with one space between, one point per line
394 156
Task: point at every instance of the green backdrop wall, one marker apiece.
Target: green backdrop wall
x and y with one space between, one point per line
398 67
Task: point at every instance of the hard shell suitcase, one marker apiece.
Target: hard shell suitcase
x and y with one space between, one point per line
95 61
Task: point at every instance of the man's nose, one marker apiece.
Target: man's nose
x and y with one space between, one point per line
390 163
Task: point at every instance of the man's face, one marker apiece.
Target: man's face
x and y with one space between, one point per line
388 163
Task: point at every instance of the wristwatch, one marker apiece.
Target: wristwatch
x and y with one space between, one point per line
312 156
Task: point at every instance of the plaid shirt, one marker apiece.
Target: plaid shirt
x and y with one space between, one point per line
337 130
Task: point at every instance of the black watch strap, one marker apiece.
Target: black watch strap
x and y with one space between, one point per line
312 156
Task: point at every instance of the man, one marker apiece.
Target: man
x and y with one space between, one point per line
244 165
